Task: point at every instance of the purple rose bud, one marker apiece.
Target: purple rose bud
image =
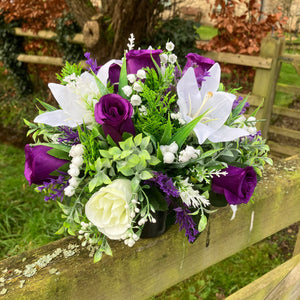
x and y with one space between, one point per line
237 186
138 59
39 164
114 114
114 76
200 64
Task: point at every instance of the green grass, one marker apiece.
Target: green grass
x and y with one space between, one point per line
26 220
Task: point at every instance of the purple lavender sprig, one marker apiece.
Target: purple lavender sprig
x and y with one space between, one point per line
68 136
183 217
56 188
185 221
91 62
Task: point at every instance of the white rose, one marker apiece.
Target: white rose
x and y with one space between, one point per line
108 208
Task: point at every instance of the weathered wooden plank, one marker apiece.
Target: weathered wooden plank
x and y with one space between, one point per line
284 150
287 88
281 283
265 80
37 59
46 60
287 112
294 134
240 59
153 265
47 35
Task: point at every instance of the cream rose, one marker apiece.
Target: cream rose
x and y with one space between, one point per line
108 210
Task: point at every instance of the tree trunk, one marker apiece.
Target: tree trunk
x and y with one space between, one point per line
106 34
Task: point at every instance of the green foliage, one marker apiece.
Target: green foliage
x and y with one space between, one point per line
131 159
10 47
68 70
158 102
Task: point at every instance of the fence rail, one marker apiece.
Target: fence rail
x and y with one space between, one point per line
153 265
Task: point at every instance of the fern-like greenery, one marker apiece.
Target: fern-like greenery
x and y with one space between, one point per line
68 70
160 100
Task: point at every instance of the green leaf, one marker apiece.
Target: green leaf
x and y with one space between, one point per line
146 175
180 136
239 108
138 139
98 255
202 223
127 144
101 87
123 81
61 230
65 209
145 142
257 109
135 183
167 135
59 154
46 105
209 153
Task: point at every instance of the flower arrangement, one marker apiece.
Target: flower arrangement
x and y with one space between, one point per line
140 139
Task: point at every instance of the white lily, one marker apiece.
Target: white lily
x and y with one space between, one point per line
193 102
76 99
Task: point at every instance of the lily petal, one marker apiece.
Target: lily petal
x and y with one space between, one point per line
227 134
211 82
57 118
189 98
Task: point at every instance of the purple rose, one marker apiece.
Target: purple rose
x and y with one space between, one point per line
39 164
200 64
237 186
114 114
138 59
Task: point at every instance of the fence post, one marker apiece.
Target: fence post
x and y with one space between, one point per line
265 80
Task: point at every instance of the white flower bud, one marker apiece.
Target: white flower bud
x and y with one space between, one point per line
172 58
135 100
73 170
127 90
76 150
252 130
173 147
69 191
73 181
77 161
163 58
141 74
251 119
169 157
131 78
137 87
131 242
170 46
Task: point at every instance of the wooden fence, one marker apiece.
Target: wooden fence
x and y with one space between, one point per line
265 85
64 270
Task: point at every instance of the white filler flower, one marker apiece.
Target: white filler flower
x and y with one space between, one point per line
108 208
